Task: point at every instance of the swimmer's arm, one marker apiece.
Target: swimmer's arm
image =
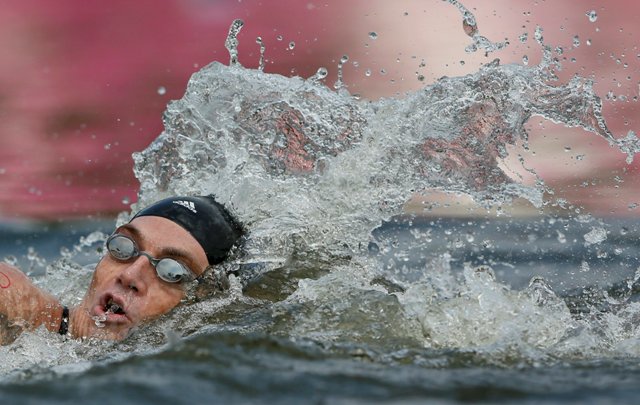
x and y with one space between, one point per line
23 306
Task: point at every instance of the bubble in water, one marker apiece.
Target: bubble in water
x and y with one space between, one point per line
373 35
524 37
595 236
99 320
592 15
162 90
584 267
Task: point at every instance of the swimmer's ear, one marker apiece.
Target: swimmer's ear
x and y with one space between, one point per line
213 280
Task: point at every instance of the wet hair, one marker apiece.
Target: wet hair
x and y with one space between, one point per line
208 221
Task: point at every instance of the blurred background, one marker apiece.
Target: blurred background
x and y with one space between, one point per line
83 83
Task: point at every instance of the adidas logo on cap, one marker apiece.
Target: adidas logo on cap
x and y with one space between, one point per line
188 205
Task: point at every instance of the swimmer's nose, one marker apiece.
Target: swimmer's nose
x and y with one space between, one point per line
134 275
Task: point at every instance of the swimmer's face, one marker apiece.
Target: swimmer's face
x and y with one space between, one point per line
133 287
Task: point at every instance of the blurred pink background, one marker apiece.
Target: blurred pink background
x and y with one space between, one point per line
83 83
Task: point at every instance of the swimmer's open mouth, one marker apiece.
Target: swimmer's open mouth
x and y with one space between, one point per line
113 307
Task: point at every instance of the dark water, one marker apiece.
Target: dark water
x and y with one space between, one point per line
253 356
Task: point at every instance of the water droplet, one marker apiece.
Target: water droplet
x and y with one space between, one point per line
383 71
107 146
592 15
373 35
524 37
588 41
421 78
162 90
344 59
292 45
576 41
469 26
525 60
367 72
126 200
279 37
321 73
462 62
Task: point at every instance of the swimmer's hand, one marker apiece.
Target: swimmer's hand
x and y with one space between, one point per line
23 306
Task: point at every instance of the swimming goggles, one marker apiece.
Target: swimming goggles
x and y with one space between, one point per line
123 248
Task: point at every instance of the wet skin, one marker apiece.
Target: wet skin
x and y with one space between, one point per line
134 285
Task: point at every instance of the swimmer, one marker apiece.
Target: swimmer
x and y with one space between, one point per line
145 273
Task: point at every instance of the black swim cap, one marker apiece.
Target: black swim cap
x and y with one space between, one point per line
204 218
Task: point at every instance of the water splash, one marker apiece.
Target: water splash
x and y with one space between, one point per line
257 140
231 43
339 84
262 49
470 28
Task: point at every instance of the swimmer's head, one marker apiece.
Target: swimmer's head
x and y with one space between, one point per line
151 263
204 218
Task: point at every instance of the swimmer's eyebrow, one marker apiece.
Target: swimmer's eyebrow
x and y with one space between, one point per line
164 252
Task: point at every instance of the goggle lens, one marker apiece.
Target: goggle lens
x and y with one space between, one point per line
123 248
